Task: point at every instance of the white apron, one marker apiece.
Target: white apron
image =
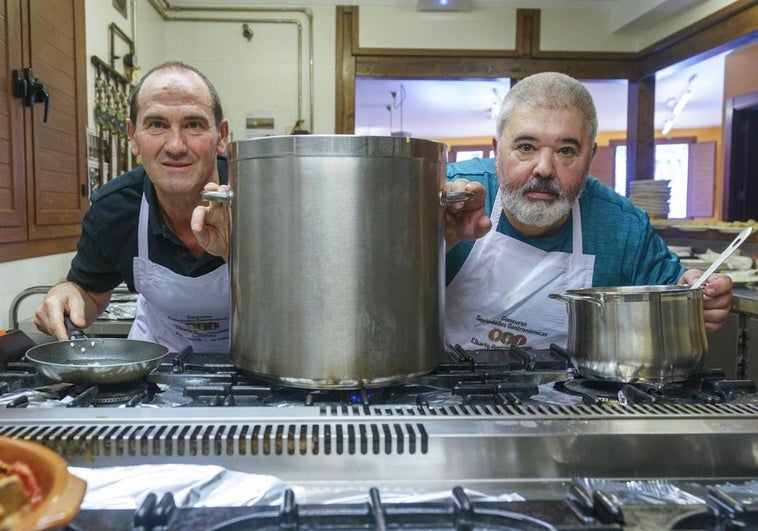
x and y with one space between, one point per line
500 295
175 310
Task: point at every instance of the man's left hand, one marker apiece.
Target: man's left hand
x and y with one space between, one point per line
717 296
465 220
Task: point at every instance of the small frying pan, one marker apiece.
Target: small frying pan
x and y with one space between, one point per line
95 361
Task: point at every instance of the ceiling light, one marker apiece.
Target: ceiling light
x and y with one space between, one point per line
443 5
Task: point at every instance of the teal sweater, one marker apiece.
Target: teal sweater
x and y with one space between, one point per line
627 249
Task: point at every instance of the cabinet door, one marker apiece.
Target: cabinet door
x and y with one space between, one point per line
12 168
723 347
752 349
56 199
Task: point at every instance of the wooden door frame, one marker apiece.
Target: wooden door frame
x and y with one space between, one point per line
731 105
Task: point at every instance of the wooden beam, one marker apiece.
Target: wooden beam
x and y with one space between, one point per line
344 120
640 137
415 67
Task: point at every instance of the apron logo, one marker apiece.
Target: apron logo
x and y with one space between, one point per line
506 338
498 335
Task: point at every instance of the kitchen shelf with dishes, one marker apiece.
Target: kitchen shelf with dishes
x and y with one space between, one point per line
741 266
706 229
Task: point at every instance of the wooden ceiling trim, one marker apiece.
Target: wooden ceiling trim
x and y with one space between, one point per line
727 28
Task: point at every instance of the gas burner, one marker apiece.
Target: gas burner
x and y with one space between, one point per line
128 393
513 358
705 387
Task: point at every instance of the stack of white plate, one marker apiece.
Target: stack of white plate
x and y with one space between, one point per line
652 196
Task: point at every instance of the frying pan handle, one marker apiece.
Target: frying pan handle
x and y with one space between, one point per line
74 332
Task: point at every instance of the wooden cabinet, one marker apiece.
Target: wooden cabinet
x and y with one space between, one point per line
43 176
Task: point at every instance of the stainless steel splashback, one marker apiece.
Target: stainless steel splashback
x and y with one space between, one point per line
400 445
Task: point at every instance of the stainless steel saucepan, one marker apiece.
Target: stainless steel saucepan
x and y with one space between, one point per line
651 333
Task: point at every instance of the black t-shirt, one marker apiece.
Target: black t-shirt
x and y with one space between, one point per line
108 242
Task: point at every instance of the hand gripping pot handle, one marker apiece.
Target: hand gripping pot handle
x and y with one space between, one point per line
216 196
454 197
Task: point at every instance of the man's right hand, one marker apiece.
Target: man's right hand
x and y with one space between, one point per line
466 220
68 299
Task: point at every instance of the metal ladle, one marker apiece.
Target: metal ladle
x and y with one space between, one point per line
741 237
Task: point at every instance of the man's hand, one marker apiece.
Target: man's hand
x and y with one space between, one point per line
68 298
211 224
466 220
717 297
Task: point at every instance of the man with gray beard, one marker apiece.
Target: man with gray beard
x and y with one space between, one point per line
539 224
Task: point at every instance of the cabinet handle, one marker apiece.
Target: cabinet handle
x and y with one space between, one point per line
30 89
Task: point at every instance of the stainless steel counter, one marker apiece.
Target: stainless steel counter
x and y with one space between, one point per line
745 301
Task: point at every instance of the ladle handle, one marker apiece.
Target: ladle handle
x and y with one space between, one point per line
741 237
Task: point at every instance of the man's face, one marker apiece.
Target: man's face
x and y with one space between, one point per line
176 134
543 159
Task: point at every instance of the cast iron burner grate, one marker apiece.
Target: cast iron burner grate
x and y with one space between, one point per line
500 376
588 504
129 394
706 387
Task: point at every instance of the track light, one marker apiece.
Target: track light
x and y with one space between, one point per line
677 106
683 99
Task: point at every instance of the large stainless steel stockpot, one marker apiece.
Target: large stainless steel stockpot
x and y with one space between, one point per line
337 258
652 333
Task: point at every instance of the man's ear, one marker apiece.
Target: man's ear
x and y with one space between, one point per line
130 130
223 137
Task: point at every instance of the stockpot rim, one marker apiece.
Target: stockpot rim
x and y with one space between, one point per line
337 145
653 289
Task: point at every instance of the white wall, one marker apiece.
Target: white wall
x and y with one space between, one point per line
22 274
262 75
404 27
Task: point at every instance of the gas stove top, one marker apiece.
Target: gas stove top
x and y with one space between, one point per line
512 376
490 422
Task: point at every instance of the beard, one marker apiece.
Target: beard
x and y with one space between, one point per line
540 213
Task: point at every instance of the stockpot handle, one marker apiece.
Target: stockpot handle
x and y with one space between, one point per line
455 197
569 298
216 196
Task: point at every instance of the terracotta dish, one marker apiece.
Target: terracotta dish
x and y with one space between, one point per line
62 492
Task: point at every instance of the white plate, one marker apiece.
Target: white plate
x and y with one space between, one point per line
692 228
695 263
730 230
740 278
681 251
